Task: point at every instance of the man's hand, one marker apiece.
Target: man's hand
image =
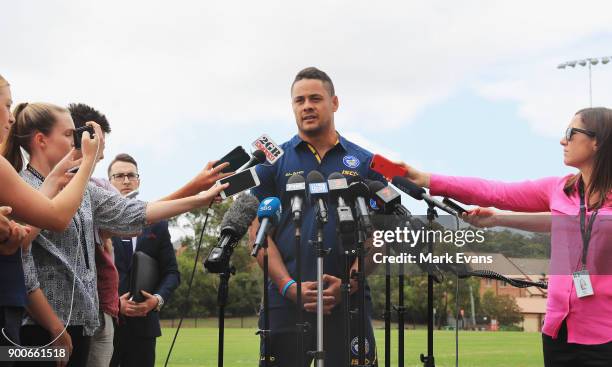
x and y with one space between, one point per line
64 341
138 309
331 295
309 292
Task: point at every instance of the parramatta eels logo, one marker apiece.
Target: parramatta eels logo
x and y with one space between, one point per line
350 161
355 346
373 204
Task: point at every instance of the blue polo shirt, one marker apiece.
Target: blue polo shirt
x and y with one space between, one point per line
300 157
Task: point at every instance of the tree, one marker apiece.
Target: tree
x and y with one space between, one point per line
502 308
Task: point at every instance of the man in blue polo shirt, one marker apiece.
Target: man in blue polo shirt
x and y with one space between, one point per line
317 146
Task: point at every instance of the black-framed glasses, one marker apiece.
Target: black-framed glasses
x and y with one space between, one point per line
572 130
121 176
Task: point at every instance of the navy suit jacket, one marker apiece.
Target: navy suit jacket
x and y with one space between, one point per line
155 242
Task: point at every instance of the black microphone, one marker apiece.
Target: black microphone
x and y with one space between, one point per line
257 157
296 190
317 193
419 193
234 225
387 198
339 192
359 192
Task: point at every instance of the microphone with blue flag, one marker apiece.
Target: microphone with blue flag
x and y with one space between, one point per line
269 214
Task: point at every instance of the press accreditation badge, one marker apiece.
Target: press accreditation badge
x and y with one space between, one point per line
582 283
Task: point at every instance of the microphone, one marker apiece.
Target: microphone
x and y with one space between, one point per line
269 214
257 157
234 225
359 191
296 189
419 194
338 191
387 198
317 193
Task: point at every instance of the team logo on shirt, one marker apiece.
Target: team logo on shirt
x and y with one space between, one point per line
355 346
350 161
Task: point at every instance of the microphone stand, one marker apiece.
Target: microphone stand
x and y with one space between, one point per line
346 294
301 327
401 311
428 361
319 353
360 275
265 332
222 295
387 312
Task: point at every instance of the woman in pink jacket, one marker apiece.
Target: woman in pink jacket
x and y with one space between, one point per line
577 328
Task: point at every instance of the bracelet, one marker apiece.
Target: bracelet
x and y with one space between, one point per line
286 287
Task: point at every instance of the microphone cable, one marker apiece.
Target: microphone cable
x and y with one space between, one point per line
195 264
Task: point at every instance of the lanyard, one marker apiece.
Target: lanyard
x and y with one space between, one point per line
585 230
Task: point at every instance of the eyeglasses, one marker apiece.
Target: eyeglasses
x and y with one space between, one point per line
572 130
121 176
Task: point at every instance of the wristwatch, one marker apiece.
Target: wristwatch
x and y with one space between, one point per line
160 302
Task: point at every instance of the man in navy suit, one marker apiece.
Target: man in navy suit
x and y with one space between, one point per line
138 327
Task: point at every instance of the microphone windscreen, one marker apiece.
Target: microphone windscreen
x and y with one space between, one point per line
359 188
270 208
335 176
295 179
259 156
241 214
408 187
315 177
375 186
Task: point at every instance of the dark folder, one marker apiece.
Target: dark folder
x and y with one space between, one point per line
144 275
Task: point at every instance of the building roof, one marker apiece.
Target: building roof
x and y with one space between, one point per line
534 268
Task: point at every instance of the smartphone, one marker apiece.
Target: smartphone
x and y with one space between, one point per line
236 158
239 182
73 170
77 135
458 208
387 168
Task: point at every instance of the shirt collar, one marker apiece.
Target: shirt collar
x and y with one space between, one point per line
296 141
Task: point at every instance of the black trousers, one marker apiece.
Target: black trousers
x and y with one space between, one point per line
130 350
559 353
37 335
10 321
283 346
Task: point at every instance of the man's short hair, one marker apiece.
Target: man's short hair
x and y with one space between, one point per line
314 73
123 157
82 113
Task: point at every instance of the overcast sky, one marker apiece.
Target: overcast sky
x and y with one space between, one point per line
465 87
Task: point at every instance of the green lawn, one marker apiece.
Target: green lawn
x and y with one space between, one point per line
198 347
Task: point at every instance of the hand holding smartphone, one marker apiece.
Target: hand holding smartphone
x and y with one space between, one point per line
387 168
77 135
239 182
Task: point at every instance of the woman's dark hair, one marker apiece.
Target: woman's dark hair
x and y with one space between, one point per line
30 118
599 121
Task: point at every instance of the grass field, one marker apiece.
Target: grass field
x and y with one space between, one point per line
198 347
